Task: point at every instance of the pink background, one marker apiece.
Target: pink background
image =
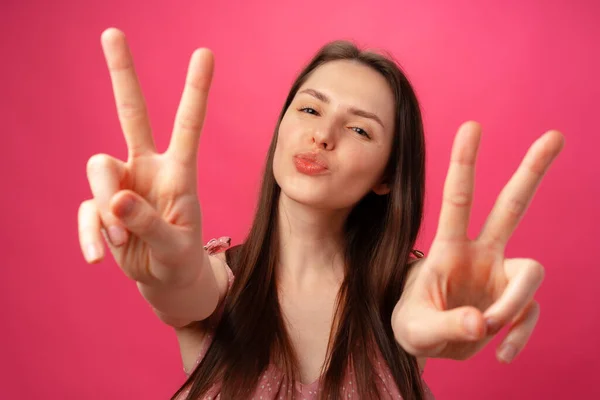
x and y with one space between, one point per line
74 331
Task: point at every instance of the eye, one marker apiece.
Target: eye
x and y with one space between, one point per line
361 131
309 110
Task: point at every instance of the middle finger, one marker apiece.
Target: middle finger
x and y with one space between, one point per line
518 192
192 107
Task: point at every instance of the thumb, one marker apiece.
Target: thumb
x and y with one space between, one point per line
429 330
458 324
141 219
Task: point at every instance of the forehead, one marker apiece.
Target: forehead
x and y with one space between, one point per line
351 84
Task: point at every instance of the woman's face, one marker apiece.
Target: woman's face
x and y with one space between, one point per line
336 136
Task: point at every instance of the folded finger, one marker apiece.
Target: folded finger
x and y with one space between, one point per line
90 238
519 333
143 221
524 278
426 332
105 175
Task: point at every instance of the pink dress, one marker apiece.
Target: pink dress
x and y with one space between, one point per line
271 385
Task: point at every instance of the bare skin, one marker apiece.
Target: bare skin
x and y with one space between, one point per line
155 241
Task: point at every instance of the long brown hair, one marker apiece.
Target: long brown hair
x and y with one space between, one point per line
380 232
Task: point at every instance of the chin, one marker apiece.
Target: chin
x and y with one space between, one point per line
306 193
319 195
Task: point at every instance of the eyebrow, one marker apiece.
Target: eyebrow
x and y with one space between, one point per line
353 110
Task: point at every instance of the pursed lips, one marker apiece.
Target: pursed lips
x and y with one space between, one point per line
314 158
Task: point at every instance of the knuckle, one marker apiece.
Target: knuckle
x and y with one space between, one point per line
537 166
459 199
97 162
515 206
131 110
86 206
200 84
188 122
536 270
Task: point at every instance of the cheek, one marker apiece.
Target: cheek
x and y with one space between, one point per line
288 142
366 166
288 130
281 152
277 158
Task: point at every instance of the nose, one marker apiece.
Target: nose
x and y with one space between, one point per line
323 138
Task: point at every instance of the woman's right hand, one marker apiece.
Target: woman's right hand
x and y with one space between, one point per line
147 208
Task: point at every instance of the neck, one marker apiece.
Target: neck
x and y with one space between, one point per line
311 244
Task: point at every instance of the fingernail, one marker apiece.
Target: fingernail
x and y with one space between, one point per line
471 323
507 352
493 326
117 235
126 206
92 252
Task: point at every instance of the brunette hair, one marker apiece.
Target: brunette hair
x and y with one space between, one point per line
380 233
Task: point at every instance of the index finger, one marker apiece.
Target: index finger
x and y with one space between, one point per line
459 184
189 119
131 107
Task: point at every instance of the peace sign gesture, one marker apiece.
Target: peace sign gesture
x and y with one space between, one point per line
148 206
466 290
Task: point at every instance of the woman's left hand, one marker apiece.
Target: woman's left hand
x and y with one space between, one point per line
465 291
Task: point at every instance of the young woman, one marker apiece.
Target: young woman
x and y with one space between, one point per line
322 299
